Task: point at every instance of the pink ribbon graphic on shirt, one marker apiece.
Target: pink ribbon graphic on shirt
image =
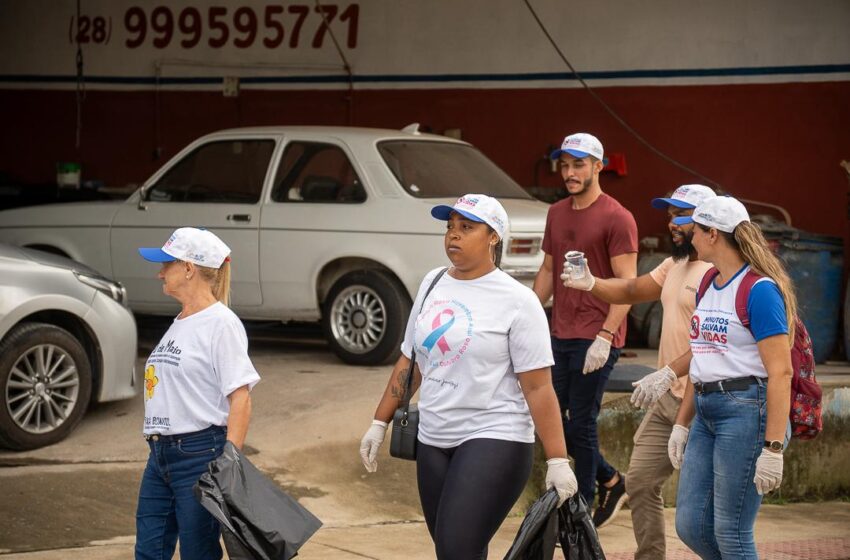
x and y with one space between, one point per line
437 335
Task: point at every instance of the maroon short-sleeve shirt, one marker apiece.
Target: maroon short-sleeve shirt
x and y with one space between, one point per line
603 230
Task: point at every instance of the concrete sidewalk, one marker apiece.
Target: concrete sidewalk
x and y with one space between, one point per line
783 532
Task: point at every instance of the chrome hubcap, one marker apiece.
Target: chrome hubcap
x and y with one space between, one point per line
43 389
358 319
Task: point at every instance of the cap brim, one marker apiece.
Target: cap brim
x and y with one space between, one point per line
443 212
682 220
575 153
155 254
663 203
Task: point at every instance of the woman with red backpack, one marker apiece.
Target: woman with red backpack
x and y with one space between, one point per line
741 373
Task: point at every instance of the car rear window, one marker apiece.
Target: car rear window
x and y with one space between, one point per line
446 170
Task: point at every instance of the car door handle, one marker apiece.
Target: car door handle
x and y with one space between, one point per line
239 217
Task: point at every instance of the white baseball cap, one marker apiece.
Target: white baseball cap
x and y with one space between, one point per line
686 196
478 208
198 246
721 212
580 144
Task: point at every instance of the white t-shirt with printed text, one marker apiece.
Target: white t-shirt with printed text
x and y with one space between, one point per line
199 361
472 339
722 347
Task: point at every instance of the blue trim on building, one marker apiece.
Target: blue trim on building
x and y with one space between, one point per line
442 78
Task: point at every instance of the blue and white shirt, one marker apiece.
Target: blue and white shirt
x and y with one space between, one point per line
722 347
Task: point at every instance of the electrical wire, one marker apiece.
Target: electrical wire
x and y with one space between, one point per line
344 62
611 111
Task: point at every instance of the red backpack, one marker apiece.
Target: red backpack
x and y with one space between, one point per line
806 418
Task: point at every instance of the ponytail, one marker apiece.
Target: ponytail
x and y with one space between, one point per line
219 281
753 247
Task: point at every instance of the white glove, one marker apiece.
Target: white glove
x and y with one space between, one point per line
768 471
370 444
676 445
652 386
585 283
560 476
597 354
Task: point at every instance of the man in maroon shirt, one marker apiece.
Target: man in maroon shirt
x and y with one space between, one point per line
587 333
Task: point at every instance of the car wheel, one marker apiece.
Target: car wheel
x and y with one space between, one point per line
364 317
45 382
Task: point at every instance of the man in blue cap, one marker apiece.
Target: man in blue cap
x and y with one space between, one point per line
587 333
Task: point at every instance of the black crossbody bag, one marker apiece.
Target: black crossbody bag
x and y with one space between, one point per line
406 418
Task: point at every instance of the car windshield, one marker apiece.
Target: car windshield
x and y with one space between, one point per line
446 170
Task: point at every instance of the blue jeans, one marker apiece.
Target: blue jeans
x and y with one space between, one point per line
580 398
717 501
168 508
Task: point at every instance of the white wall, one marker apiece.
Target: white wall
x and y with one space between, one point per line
466 39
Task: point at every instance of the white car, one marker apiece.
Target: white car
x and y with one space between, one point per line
66 340
325 223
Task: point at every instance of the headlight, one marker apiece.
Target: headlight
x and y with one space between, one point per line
113 289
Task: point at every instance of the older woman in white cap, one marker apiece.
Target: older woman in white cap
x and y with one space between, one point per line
741 335
482 357
196 390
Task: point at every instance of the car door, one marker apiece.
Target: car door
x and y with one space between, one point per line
315 213
216 184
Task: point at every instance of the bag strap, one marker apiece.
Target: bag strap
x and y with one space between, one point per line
407 394
742 296
706 281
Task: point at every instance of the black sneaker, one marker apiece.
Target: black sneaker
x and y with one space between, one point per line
610 502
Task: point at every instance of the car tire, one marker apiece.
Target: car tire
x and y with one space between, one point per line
364 317
56 367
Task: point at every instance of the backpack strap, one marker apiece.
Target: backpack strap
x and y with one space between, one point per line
706 281
742 296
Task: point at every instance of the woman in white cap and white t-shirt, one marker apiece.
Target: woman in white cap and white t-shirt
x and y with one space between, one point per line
196 391
740 395
483 355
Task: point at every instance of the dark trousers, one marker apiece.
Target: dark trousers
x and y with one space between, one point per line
580 398
468 490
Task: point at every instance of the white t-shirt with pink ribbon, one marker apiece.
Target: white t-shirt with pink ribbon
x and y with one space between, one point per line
473 338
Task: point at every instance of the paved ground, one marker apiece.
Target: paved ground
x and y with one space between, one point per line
782 533
76 499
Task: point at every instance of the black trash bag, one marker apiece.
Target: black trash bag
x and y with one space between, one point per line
258 520
536 537
576 531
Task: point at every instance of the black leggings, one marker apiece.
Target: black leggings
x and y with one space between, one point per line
467 491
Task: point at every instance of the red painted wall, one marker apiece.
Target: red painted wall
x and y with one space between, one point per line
780 143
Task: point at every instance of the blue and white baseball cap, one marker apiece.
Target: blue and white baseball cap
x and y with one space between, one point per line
198 246
478 208
721 212
686 196
580 144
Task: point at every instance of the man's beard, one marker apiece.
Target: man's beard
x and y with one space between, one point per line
584 186
683 250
